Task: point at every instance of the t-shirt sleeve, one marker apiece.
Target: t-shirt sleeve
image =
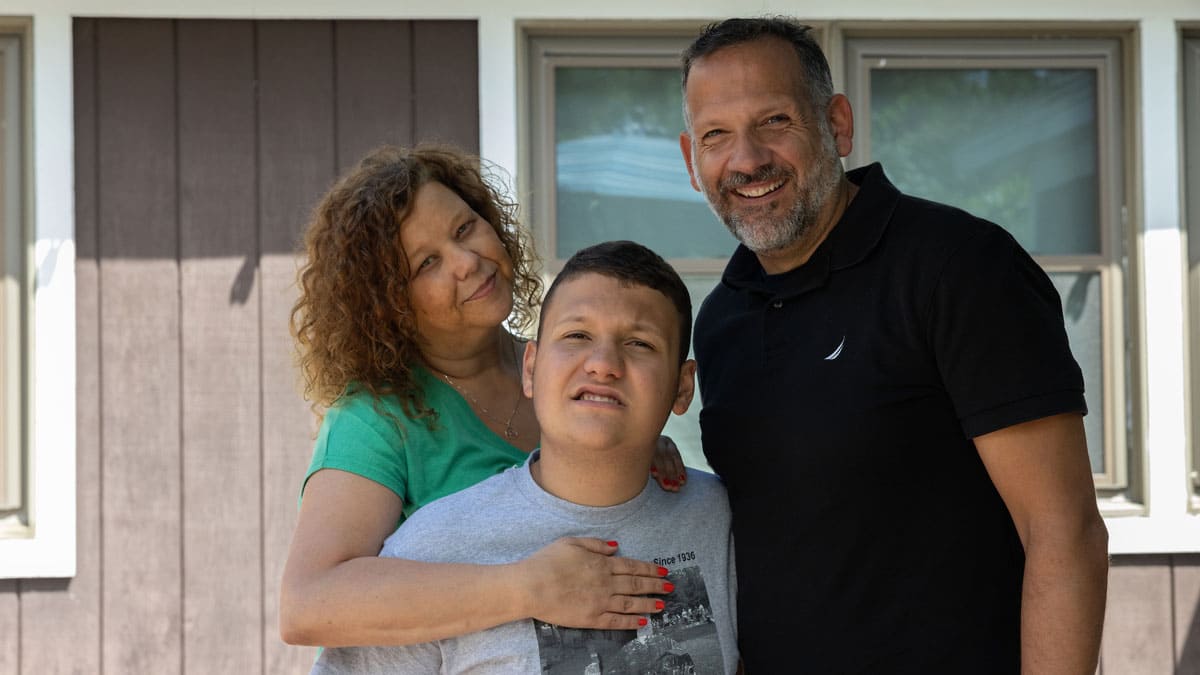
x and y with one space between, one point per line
357 438
996 326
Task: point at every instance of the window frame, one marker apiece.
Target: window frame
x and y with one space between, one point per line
1118 484
42 543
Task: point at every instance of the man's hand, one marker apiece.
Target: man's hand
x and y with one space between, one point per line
667 466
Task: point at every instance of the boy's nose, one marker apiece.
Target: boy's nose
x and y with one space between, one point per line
604 360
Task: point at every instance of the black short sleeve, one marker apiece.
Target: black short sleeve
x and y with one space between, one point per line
996 327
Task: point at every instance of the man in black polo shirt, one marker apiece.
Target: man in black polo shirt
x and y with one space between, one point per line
888 394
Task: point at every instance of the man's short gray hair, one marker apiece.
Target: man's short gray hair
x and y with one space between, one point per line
817 80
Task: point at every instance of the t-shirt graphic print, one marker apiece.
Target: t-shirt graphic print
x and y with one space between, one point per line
682 639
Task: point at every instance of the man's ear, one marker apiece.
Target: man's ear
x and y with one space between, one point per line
841 123
685 146
527 368
687 387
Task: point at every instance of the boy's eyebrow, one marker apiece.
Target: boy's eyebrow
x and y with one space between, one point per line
648 326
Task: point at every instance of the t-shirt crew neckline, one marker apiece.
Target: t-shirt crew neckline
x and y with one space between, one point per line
547 503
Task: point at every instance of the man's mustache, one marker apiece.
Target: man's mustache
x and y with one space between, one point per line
764 173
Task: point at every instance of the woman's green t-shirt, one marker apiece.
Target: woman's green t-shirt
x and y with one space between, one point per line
418 464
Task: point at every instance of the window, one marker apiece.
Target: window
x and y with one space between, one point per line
604 112
37 338
12 287
1028 134
1191 178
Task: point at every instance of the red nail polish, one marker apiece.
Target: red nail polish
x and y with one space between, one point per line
611 543
658 604
641 622
662 571
668 587
653 471
669 483
682 479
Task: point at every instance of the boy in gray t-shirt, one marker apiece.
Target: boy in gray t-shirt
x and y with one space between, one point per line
608 367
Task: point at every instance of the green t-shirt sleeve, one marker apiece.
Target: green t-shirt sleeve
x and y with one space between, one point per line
354 437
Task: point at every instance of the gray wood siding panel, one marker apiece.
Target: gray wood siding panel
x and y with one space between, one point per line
1137 623
374 87
218 257
1186 584
139 347
10 626
288 432
60 618
296 126
296 165
446 80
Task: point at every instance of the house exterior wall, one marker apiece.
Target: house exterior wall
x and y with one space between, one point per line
173 278
201 145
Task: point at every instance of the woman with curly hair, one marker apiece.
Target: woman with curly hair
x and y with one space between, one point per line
414 265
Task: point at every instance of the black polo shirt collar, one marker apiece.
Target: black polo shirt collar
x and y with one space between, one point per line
854 236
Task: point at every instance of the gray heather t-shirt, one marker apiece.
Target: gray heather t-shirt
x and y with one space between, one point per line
507 517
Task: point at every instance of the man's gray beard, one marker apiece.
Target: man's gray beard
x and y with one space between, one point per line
769 235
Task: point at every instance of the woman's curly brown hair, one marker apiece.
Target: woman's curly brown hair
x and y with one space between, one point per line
352 322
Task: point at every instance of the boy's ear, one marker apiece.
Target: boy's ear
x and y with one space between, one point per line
527 368
687 387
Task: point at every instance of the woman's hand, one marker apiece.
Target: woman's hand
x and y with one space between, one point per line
578 582
667 466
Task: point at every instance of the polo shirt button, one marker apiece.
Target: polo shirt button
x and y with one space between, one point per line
778 304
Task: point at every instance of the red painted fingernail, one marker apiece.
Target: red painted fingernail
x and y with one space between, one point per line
611 543
669 483
653 471
641 622
662 571
668 587
682 478
658 604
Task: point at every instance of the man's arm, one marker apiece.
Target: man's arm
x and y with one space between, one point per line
1041 470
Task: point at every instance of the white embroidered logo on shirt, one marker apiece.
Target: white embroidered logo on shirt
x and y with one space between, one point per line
837 352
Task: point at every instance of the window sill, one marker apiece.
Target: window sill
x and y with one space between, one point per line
1153 533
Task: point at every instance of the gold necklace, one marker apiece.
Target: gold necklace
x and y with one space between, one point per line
509 432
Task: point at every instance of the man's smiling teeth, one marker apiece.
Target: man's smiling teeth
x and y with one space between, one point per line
597 397
759 191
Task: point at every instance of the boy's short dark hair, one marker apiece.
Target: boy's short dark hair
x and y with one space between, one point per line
631 264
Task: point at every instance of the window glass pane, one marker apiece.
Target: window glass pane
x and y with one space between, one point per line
12 460
8 463
619 172
1081 310
685 429
1014 146
1191 130
1191 103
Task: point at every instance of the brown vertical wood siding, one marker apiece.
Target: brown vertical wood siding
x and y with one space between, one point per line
201 146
